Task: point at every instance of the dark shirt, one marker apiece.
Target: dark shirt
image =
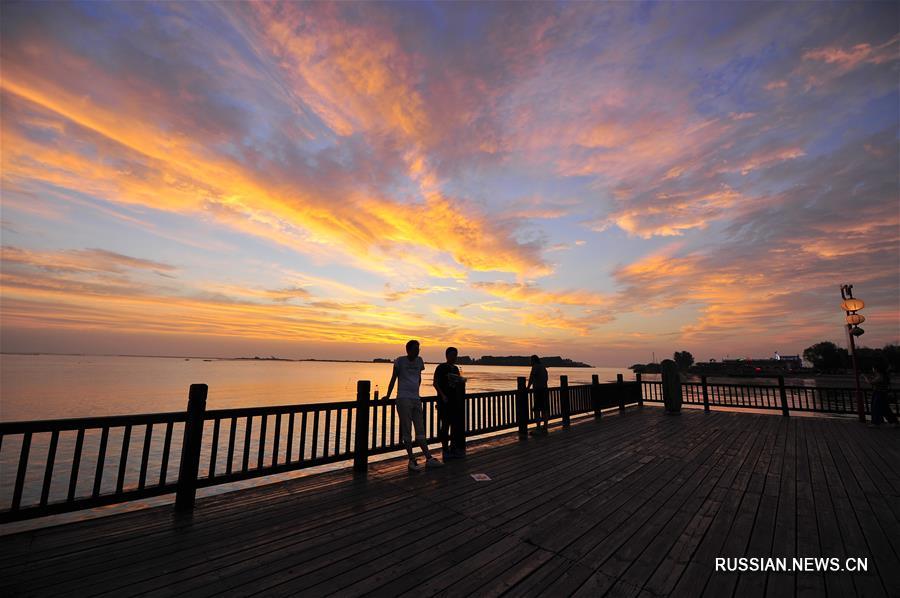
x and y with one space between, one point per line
444 378
538 376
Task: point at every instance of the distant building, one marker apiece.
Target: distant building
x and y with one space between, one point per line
776 365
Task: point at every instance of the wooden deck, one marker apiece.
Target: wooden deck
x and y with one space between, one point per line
639 504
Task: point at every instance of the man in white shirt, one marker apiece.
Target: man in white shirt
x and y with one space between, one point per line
408 371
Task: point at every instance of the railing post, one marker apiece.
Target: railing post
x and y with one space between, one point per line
705 393
564 407
783 392
595 396
620 391
361 447
186 490
640 394
671 383
522 406
459 424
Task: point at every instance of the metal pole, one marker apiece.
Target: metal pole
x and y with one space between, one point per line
860 408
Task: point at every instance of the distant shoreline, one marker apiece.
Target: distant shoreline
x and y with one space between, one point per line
208 358
268 359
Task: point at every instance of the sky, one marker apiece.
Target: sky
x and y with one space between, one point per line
602 181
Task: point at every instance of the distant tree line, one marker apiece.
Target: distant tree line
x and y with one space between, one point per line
521 360
829 358
683 359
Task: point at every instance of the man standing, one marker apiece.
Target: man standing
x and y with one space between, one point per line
538 379
408 370
450 403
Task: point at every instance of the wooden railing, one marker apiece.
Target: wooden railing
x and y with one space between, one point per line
770 394
140 456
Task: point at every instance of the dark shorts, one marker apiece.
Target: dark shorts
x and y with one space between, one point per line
541 399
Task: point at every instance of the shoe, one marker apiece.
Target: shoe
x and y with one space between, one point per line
413 465
433 463
445 454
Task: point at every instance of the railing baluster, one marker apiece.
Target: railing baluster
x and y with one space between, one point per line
76 463
231 438
167 447
384 420
261 452
277 439
145 455
101 458
123 459
374 415
20 473
337 432
247 436
393 426
288 450
214 449
325 439
349 428
315 438
48 469
303 436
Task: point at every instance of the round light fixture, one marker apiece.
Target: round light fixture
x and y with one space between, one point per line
852 304
857 331
855 319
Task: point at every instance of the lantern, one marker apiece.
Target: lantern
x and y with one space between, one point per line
852 304
855 319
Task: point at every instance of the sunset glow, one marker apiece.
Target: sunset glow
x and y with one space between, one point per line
596 180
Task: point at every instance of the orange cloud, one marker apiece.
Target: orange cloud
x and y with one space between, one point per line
145 164
534 295
100 291
849 58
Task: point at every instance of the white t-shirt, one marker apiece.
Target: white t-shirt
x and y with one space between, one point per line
409 376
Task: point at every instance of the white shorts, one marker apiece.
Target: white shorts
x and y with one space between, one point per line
411 414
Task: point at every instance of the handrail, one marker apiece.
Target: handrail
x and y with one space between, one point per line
118 458
815 399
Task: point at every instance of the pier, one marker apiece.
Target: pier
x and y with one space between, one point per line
624 501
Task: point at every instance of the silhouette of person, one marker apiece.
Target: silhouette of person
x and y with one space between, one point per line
538 379
408 371
451 406
881 387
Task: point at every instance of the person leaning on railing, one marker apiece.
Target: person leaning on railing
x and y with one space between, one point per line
408 371
881 388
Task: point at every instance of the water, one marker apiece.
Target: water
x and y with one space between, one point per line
51 386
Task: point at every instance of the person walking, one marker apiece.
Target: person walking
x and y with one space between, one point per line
408 372
450 404
881 388
538 379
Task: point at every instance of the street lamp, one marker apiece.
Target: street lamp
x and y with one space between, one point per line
851 305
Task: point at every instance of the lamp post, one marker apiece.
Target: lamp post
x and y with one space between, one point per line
851 305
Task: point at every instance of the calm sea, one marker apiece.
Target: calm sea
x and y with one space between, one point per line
53 386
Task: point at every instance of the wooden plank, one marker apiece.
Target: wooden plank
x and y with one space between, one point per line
651 497
808 584
697 570
856 482
850 539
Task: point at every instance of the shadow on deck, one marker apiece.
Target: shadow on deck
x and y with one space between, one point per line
638 504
